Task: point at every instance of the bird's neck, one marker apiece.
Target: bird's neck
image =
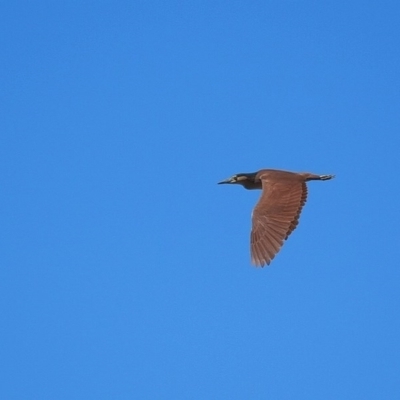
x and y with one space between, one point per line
251 185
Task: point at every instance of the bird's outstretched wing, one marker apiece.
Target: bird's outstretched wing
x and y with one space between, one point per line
276 215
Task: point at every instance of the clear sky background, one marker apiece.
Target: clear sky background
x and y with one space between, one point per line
125 270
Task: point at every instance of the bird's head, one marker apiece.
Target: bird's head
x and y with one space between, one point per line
247 180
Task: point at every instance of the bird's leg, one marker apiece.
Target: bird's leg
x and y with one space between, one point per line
313 177
326 177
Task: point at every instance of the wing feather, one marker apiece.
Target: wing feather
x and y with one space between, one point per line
276 215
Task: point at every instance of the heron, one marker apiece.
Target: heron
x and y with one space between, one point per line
277 213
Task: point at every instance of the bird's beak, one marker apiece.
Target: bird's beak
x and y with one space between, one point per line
229 180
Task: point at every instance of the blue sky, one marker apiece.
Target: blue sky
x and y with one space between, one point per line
125 270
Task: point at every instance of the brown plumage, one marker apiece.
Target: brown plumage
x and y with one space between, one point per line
276 215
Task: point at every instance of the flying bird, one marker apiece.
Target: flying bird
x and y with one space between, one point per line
276 215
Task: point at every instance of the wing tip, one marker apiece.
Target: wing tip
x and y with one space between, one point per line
261 263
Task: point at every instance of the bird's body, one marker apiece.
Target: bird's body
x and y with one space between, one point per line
277 212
